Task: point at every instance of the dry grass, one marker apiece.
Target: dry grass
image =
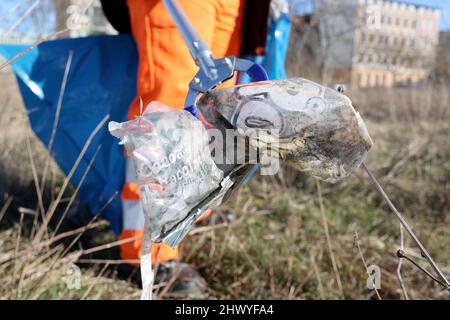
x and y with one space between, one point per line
43 272
426 102
33 264
276 246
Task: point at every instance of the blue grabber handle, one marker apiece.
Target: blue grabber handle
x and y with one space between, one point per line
257 73
254 70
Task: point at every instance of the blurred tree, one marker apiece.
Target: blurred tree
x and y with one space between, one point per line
441 68
59 7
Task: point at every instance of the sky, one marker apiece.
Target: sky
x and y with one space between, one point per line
444 5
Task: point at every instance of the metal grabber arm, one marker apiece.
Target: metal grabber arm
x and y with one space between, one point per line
212 71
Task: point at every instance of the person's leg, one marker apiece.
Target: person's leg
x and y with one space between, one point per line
165 64
133 224
165 69
228 29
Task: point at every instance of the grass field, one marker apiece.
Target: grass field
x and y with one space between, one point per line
285 241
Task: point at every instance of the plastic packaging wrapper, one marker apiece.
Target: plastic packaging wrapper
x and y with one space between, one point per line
318 130
173 163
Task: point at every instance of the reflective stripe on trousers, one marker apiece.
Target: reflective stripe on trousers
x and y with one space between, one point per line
165 69
133 223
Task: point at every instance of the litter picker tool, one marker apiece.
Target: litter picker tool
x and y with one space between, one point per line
316 130
211 73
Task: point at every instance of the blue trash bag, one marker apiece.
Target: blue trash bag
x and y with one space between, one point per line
101 81
274 59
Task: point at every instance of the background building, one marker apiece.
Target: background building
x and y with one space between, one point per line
369 43
83 22
395 43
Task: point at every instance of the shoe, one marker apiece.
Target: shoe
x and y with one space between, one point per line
217 217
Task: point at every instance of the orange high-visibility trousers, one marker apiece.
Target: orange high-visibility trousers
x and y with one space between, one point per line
165 69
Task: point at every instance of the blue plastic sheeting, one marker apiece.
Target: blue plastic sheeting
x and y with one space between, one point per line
101 81
276 48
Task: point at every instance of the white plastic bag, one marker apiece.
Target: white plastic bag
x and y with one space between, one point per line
173 163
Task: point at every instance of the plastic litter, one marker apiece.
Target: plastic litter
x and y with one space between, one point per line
173 163
174 168
318 130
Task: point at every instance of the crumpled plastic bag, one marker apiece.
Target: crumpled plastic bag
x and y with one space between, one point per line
314 128
173 163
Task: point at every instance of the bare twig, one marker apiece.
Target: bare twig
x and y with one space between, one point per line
75 193
399 266
6 257
55 203
88 291
22 17
34 45
5 207
365 264
327 235
11 10
19 234
109 245
77 230
169 283
423 250
207 228
36 181
79 253
90 223
319 278
56 120
108 261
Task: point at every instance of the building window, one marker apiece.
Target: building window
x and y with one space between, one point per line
371 37
389 20
372 80
380 80
363 78
397 21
